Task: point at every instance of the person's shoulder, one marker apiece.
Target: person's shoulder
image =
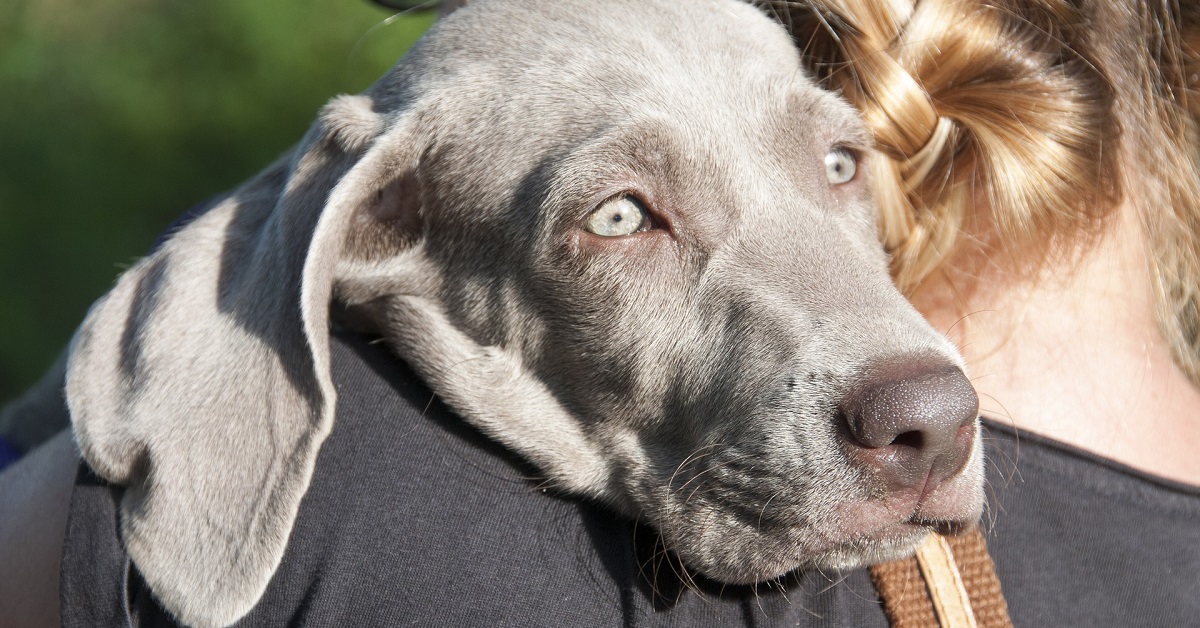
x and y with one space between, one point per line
413 515
1079 539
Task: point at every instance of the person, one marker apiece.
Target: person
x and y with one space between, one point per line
1042 205
1041 202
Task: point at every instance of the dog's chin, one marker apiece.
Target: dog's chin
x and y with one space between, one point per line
894 542
861 533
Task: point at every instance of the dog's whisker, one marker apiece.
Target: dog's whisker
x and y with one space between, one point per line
714 468
356 49
763 510
705 450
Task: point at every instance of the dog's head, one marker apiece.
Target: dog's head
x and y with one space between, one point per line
631 240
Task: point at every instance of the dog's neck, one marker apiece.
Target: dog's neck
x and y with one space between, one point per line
1078 356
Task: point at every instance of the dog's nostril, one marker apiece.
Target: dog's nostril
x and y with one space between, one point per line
914 440
911 420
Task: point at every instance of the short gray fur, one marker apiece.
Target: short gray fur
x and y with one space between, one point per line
689 377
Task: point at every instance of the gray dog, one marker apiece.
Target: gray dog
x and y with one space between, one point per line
631 240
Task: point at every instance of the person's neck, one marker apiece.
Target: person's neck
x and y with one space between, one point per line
1078 357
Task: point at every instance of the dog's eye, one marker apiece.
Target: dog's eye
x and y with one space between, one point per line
618 216
840 165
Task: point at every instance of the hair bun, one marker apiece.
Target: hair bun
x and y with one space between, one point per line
969 101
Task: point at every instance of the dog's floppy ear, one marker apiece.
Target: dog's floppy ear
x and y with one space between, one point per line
201 382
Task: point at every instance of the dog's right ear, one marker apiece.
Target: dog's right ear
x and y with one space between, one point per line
201 382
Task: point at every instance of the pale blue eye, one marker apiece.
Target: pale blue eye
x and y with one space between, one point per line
840 165
618 216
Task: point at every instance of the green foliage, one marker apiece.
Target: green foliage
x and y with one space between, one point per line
118 115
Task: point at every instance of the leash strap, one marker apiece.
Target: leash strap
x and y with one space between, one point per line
950 583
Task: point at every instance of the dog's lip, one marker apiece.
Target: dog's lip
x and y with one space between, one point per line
950 508
950 527
870 529
903 531
955 501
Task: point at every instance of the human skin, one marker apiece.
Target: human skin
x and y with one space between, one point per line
1075 353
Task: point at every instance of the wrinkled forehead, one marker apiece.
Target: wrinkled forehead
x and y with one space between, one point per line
510 87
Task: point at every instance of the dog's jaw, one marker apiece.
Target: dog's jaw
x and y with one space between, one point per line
775 493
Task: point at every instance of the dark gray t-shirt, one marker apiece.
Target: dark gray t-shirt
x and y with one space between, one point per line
414 519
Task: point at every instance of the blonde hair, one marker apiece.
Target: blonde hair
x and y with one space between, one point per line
1019 126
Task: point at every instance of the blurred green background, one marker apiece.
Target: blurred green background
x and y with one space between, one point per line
116 116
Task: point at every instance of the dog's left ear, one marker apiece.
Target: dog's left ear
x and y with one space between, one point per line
201 382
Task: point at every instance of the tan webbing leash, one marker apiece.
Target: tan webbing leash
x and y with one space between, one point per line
950 583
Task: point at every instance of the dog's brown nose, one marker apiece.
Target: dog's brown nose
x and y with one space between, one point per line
911 420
